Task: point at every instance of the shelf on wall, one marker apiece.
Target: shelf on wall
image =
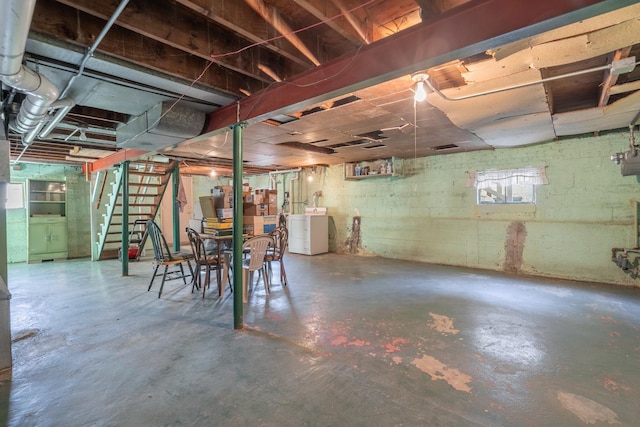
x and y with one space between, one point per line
367 169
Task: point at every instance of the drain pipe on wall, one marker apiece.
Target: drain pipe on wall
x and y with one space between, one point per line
273 183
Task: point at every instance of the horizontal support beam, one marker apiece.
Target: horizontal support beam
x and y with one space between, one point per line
112 160
464 31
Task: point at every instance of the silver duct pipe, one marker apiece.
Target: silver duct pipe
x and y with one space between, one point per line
63 106
41 93
63 112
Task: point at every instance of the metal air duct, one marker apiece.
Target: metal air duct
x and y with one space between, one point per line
164 125
41 93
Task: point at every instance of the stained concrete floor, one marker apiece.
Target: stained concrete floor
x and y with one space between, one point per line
353 341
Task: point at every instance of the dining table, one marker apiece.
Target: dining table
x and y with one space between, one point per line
224 258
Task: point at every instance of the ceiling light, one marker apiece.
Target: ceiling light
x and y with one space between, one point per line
420 93
213 173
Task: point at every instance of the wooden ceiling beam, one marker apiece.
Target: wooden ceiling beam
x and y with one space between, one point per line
455 34
62 22
238 17
347 25
274 18
611 79
176 26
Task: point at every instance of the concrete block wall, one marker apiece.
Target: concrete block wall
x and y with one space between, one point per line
78 210
431 215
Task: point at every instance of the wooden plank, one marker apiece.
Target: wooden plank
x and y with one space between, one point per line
238 17
175 26
62 22
453 35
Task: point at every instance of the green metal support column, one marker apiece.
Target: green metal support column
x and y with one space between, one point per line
237 225
176 207
125 218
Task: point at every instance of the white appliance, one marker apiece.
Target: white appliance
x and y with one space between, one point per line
308 234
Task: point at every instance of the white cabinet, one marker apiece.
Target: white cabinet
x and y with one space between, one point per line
308 234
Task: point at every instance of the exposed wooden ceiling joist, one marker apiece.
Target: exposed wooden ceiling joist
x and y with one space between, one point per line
408 51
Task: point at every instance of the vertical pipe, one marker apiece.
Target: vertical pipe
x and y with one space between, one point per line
176 207
636 224
237 226
125 218
5 296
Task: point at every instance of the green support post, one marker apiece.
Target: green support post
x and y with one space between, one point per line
125 218
176 207
237 226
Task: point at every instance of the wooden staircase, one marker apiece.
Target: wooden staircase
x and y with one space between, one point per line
148 180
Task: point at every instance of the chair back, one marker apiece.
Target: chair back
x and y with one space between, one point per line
281 241
256 248
161 250
198 247
195 241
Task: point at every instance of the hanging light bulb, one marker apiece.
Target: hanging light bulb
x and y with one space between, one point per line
420 93
213 173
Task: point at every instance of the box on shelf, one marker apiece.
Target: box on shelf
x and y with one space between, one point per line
273 209
273 198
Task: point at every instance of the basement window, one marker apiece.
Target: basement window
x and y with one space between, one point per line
15 196
508 186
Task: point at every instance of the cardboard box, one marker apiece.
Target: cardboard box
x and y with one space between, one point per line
206 205
253 224
218 224
225 213
258 199
273 209
273 198
256 210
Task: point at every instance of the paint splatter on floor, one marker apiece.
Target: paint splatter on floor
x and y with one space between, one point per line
587 410
439 371
613 386
442 324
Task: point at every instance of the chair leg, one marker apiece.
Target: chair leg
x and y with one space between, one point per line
283 273
265 280
155 271
164 276
207 279
245 279
196 278
184 278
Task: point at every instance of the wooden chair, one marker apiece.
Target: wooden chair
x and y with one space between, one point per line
276 253
208 261
255 249
163 256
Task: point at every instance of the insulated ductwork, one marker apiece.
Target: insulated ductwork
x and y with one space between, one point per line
41 93
162 126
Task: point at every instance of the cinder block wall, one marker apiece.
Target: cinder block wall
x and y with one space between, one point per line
432 216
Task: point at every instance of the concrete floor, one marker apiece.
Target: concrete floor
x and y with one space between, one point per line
353 341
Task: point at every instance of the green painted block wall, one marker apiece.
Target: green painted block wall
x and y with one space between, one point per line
78 210
431 215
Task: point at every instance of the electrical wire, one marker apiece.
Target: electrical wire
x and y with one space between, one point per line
321 22
204 71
